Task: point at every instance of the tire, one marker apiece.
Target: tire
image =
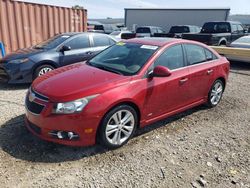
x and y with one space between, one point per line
112 135
42 70
215 93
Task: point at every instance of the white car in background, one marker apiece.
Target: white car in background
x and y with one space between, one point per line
242 42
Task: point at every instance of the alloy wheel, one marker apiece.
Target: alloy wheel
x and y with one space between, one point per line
44 71
216 93
120 127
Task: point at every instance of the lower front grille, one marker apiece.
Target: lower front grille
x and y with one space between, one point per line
33 107
35 128
3 75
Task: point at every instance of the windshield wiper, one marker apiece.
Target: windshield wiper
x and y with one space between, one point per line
104 68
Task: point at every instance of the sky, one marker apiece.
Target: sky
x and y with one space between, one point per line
115 8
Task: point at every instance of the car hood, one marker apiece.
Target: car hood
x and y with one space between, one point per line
76 81
22 53
239 45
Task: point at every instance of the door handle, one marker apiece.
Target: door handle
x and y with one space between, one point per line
210 71
183 80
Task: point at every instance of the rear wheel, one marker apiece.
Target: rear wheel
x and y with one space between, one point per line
43 69
215 93
118 126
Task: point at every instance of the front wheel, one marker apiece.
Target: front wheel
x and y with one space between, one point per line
43 69
215 93
118 126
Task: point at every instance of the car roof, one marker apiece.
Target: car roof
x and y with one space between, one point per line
156 41
80 33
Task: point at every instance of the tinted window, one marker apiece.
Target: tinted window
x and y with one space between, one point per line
142 30
78 42
171 58
52 42
179 29
216 27
126 58
98 27
195 54
100 40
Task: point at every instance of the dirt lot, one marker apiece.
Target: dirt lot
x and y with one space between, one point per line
201 147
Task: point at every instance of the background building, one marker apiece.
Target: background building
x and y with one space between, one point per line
165 18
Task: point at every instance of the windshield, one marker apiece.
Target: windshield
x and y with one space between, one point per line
243 40
52 42
123 58
143 30
179 29
216 27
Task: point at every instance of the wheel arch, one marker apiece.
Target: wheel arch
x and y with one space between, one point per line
222 41
46 62
126 102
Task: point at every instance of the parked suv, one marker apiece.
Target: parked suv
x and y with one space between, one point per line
217 33
24 65
148 31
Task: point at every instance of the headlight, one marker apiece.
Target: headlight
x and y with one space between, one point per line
20 60
72 106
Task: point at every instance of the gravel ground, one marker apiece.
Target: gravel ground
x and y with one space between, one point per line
199 148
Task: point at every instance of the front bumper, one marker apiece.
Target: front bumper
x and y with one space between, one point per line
43 124
15 73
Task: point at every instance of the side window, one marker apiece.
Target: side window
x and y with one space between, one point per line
195 54
159 30
234 28
209 55
100 40
172 58
78 42
240 29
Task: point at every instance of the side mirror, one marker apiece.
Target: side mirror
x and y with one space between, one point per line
160 71
65 48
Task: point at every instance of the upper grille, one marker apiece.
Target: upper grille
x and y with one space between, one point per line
33 106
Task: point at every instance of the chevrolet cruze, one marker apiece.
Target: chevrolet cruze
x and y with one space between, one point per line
127 86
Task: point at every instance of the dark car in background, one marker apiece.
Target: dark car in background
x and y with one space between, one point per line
217 33
148 31
105 28
24 65
177 30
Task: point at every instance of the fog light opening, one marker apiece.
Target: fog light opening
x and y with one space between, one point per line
64 135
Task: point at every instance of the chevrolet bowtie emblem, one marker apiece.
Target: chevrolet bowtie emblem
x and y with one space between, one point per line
32 97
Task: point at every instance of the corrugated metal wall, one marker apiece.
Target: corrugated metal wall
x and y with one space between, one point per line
166 18
26 24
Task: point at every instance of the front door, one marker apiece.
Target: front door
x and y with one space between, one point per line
167 94
80 50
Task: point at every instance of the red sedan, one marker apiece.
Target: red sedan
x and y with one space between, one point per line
129 85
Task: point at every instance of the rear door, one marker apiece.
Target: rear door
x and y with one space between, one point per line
80 46
201 68
99 43
166 94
